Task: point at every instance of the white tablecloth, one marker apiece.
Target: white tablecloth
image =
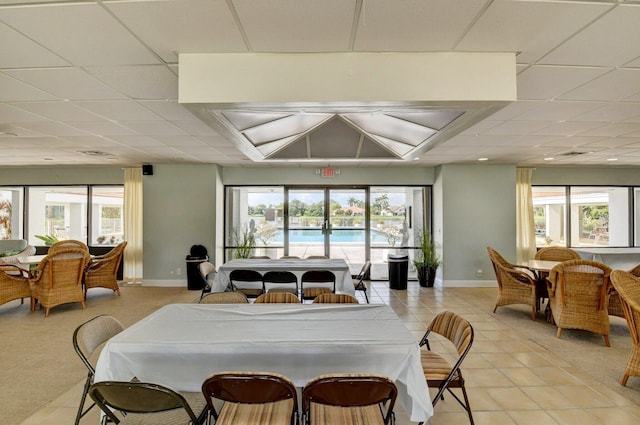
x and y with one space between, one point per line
344 282
181 344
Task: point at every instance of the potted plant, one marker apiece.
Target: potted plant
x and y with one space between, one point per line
426 260
244 242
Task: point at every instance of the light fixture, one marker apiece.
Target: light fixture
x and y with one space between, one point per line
483 159
549 158
612 159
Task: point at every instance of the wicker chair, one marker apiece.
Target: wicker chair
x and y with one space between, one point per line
628 287
277 298
86 339
615 305
349 399
256 398
316 282
146 403
102 270
330 298
224 298
13 285
557 253
515 285
58 279
578 296
438 371
69 243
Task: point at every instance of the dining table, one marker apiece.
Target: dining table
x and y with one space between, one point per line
180 345
540 270
339 267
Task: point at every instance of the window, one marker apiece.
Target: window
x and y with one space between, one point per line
11 207
59 212
107 210
596 216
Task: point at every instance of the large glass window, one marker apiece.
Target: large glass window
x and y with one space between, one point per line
11 207
107 215
549 210
57 213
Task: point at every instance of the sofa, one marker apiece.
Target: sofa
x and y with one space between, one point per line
12 249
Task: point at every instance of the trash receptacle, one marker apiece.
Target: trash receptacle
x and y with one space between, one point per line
197 255
398 271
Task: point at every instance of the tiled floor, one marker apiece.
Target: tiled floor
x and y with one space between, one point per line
510 379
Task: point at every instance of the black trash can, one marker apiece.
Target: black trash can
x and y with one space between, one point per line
197 255
398 271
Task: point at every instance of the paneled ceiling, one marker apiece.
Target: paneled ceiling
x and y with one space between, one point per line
96 82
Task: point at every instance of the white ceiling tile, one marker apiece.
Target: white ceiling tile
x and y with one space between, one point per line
614 86
65 83
153 128
613 130
612 112
284 25
81 33
406 25
180 141
517 127
12 90
18 51
140 82
558 110
515 109
58 111
549 82
119 110
593 46
171 27
53 129
530 27
170 110
101 128
195 127
9 114
568 128
136 141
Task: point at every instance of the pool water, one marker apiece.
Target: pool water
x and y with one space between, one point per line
342 235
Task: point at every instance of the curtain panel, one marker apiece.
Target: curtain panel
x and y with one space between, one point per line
132 268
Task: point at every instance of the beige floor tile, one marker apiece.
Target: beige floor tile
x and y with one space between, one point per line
492 418
548 397
573 417
503 360
512 399
552 375
522 376
584 397
532 359
614 416
531 417
481 400
486 378
456 418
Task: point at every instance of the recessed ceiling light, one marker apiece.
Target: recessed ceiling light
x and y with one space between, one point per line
416 158
549 158
612 159
483 159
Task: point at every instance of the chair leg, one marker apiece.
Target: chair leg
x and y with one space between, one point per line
606 340
559 332
624 379
46 312
533 313
495 308
467 406
365 295
85 391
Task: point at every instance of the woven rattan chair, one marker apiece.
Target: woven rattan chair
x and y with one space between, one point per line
515 285
280 281
86 339
277 298
349 399
249 282
557 253
146 403
224 298
58 279
330 298
359 283
578 296
69 243
316 282
438 371
615 305
13 285
102 270
628 288
255 398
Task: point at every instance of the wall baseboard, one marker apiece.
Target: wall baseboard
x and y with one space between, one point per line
164 282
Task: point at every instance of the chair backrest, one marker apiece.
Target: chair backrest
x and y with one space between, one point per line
69 243
329 298
635 271
242 276
351 390
277 298
249 387
110 261
224 298
66 265
317 257
290 257
557 253
455 328
137 397
206 268
260 257
319 278
628 288
279 278
582 282
93 333
497 259
364 271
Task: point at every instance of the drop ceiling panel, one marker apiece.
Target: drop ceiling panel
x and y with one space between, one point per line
53 129
171 27
66 83
148 82
613 130
9 114
612 112
414 25
160 128
58 111
170 110
549 82
613 86
530 27
103 128
568 128
119 110
559 111
284 25
12 90
82 33
18 51
591 47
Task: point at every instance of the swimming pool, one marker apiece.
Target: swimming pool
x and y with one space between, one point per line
339 235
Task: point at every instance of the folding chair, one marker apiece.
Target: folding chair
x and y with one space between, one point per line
224 298
438 372
359 284
249 282
324 281
280 281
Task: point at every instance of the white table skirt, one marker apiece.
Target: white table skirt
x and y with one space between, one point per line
181 344
344 282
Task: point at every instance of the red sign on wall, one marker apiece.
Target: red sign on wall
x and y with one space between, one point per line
328 172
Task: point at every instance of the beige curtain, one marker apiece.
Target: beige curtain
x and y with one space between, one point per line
133 225
525 228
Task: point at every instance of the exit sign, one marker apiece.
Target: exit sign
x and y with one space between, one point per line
328 172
